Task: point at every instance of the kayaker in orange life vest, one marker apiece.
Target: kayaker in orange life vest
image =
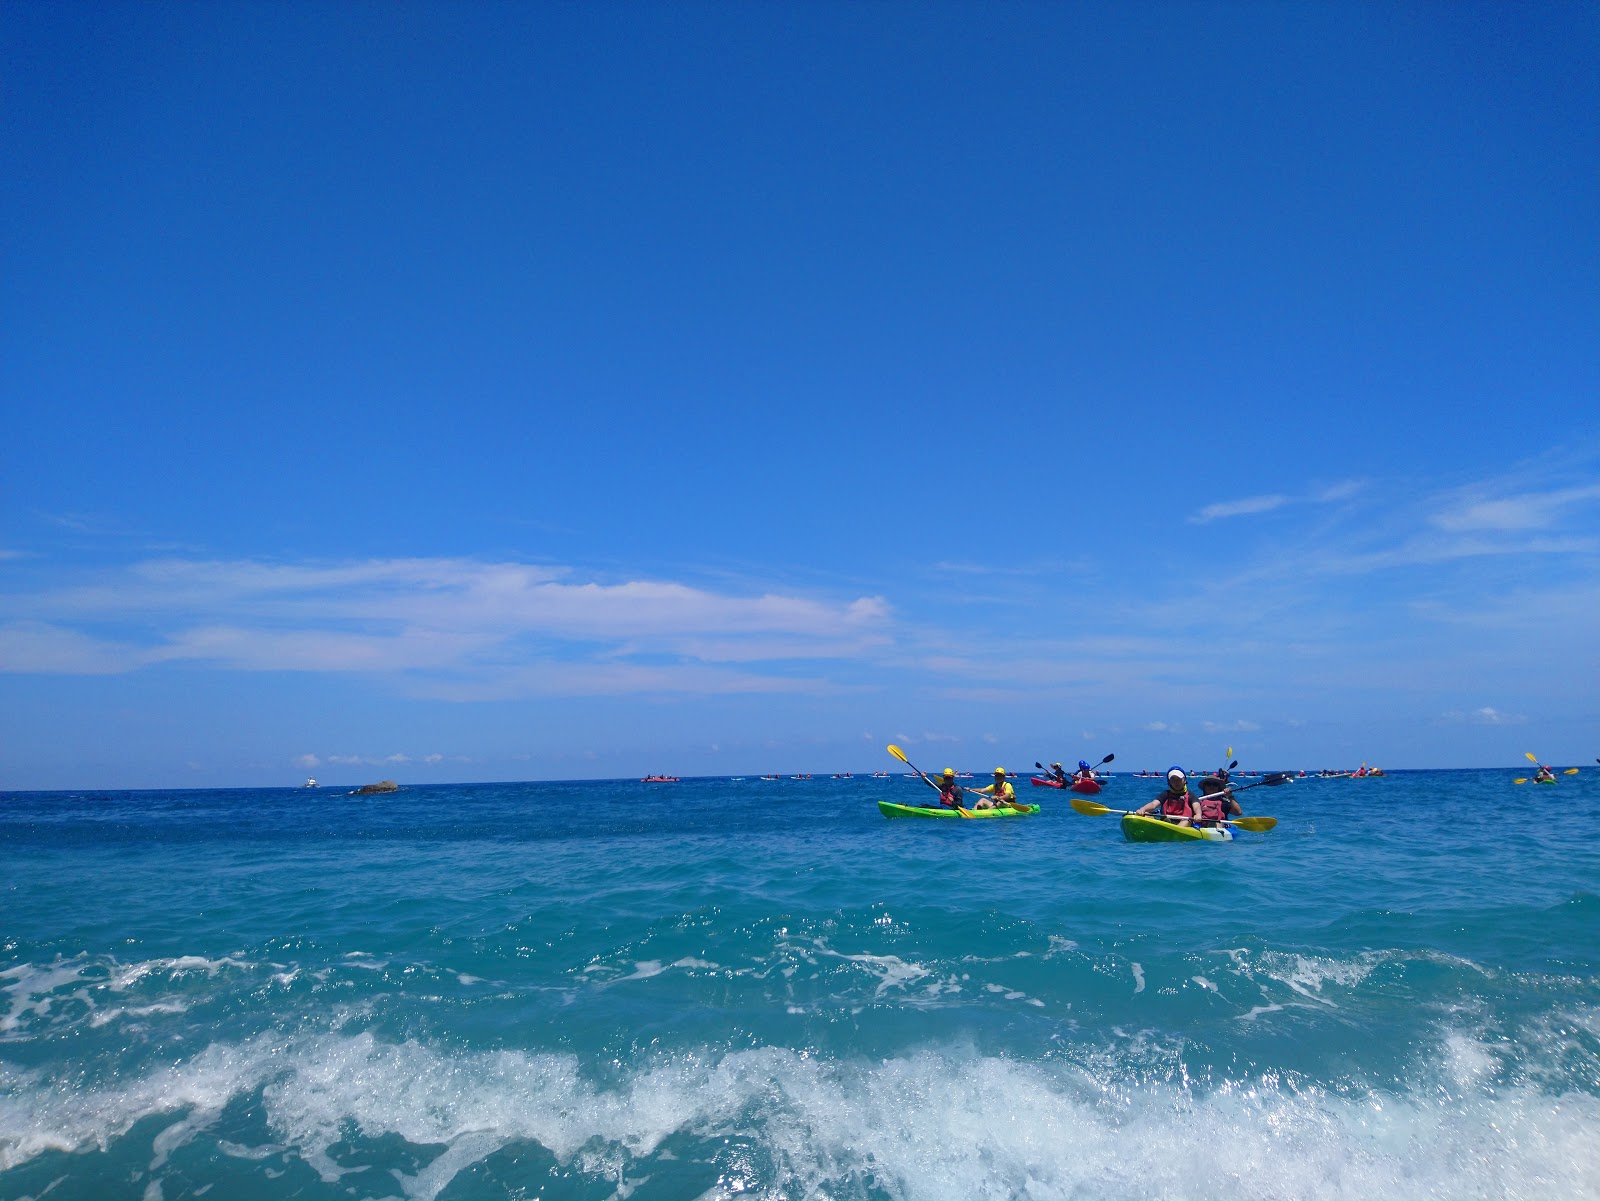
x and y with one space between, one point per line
998 793
1177 804
949 790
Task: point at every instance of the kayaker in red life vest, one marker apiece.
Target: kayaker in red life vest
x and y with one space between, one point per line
1217 801
1084 772
949 790
1177 804
1543 775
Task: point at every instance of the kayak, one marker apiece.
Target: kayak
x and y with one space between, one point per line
1153 829
1087 787
1544 781
890 809
1039 783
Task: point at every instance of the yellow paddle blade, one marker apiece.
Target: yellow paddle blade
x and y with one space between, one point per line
1229 755
1090 808
1259 824
1524 780
1530 756
898 754
1571 771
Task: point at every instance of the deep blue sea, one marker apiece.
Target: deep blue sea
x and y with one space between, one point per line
721 988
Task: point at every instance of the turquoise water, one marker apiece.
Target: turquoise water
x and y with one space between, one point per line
718 988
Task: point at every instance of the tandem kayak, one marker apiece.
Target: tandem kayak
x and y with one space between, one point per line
1544 781
1153 829
890 809
1087 787
1038 782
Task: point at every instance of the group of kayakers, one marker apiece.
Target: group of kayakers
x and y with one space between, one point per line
1214 805
1060 776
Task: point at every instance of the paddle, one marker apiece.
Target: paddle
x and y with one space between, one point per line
901 755
1259 825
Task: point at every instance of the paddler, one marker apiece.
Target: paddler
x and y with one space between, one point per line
1084 773
1544 775
1059 774
1176 803
1217 802
949 790
998 793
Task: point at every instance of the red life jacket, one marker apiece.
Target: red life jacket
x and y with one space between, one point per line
1213 808
1177 806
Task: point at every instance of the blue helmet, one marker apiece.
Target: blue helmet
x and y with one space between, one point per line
1176 770
1084 764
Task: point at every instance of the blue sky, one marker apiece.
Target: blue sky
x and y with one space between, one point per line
525 391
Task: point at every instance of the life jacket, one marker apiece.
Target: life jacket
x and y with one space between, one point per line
950 796
1177 806
1213 808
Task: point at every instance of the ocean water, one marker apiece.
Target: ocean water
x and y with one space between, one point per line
728 988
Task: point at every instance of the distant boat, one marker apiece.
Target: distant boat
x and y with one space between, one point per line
311 782
659 780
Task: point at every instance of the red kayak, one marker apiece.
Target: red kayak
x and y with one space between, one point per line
1087 787
1038 783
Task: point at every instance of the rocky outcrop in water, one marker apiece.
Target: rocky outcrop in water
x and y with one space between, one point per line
380 786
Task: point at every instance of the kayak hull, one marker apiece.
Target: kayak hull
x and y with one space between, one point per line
1153 829
890 809
1038 783
1087 787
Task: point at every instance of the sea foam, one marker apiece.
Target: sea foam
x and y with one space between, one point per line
775 1121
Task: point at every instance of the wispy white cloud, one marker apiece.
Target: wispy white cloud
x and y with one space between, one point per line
1250 505
1486 716
1521 511
1239 508
473 628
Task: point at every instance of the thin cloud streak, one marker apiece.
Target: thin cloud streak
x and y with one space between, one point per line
485 629
1251 505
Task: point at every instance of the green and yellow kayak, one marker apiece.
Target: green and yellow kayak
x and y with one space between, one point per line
890 809
1153 829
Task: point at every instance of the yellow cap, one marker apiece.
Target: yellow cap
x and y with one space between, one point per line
949 773
999 771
